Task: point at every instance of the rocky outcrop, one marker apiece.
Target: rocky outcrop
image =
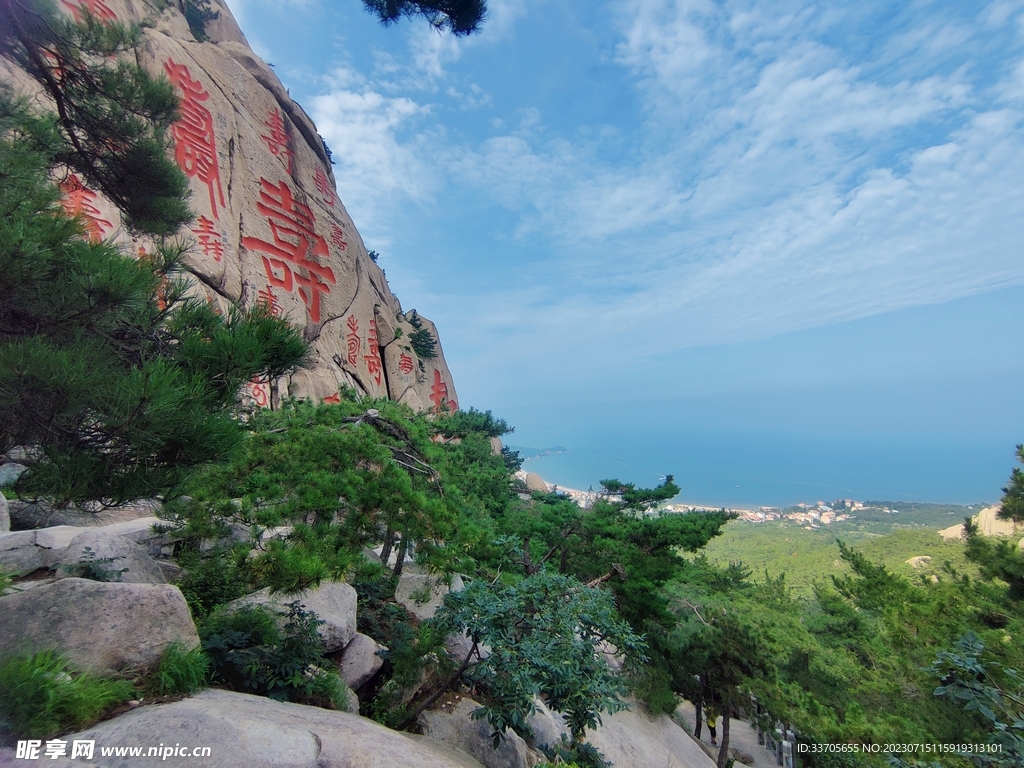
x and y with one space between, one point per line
101 627
5 516
245 731
455 727
535 482
270 227
22 552
631 739
98 554
989 524
421 594
628 739
360 661
333 602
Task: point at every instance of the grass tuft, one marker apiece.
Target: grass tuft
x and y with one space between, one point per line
41 695
181 670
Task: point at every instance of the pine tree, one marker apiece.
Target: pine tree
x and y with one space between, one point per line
460 17
113 384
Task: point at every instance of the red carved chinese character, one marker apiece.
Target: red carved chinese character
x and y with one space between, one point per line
405 364
352 340
195 147
258 393
323 186
373 363
439 395
77 201
269 300
295 244
278 141
334 399
338 237
97 8
209 238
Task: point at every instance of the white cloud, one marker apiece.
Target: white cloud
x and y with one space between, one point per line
776 182
376 169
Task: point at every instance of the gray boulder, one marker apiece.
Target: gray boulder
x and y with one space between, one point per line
458 729
5 515
99 626
360 661
243 731
19 554
98 554
332 601
633 739
422 594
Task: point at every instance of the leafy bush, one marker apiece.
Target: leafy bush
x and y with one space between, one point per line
568 754
251 653
181 670
41 695
210 581
545 635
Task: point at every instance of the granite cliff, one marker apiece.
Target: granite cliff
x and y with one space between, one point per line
269 226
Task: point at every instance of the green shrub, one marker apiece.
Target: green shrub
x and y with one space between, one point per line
41 695
181 670
251 653
210 581
579 754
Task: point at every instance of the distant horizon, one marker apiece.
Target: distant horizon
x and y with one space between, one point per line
717 478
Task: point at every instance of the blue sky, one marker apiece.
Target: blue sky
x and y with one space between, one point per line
795 220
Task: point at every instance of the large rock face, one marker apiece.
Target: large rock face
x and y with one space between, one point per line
269 225
252 732
989 524
458 729
99 626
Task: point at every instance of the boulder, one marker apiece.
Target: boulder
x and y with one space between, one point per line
360 661
535 482
11 471
100 626
548 727
243 731
632 739
98 554
5 515
41 514
458 729
422 594
19 554
332 601
989 524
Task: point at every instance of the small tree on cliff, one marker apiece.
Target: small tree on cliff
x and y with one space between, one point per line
111 381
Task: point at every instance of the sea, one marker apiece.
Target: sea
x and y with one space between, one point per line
751 470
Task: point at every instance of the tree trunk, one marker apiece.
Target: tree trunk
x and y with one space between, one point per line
403 547
385 551
698 708
723 752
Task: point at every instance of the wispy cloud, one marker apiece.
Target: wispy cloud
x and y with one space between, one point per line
795 165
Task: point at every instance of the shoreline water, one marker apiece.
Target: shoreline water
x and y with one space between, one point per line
750 473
